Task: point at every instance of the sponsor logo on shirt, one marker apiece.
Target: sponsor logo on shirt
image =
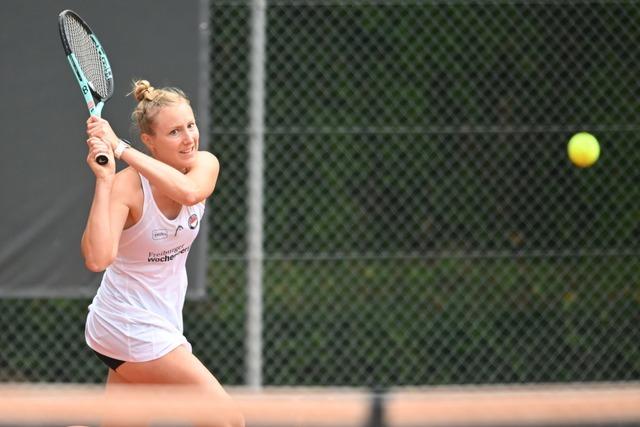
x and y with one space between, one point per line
193 221
168 255
160 234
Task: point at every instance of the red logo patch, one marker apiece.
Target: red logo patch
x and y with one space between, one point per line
193 221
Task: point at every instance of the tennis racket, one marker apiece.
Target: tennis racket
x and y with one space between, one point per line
89 64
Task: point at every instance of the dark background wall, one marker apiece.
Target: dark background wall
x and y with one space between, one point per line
46 186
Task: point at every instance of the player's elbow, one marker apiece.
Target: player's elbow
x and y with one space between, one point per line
97 265
94 266
190 198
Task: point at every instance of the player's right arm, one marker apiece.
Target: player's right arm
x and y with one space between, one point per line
108 213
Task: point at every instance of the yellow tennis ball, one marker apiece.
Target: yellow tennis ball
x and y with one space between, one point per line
583 149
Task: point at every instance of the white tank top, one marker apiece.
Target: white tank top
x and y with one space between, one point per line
136 314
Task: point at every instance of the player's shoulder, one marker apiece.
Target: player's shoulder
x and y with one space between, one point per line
207 156
127 182
126 176
208 159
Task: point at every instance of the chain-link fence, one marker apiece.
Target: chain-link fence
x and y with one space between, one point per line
422 223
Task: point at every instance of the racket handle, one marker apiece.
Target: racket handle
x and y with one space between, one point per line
102 159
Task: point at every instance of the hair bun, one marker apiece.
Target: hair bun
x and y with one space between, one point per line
142 89
150 101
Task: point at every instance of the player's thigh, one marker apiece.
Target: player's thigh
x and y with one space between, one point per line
114 379
115 382
179 366
182 368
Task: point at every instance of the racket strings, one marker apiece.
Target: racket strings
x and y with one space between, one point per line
88 56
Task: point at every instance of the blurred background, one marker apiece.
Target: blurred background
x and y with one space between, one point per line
395 205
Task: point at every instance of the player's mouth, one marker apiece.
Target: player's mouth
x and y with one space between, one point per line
189 150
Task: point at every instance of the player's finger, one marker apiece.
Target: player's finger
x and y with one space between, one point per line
98 149
99 131
94 130
97 143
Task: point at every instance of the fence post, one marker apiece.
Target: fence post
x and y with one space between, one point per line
255 197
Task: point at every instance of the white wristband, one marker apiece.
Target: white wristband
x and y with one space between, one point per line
123 144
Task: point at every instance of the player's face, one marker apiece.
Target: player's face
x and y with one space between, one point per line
175 136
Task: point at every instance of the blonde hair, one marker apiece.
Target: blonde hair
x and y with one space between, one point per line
150 101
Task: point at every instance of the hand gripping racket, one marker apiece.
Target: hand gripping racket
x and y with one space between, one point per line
89 64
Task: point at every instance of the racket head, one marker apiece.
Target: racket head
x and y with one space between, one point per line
86 54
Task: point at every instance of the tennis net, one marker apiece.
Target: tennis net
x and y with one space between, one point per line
522 405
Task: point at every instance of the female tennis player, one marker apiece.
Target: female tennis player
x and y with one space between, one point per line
141 224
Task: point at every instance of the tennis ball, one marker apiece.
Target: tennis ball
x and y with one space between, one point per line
583 149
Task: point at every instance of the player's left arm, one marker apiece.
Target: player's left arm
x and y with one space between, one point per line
188 188
185 188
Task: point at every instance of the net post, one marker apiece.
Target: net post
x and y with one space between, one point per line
377 411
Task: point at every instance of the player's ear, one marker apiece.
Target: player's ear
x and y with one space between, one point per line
146 139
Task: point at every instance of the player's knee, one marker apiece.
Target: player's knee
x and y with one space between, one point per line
236 419
231 418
